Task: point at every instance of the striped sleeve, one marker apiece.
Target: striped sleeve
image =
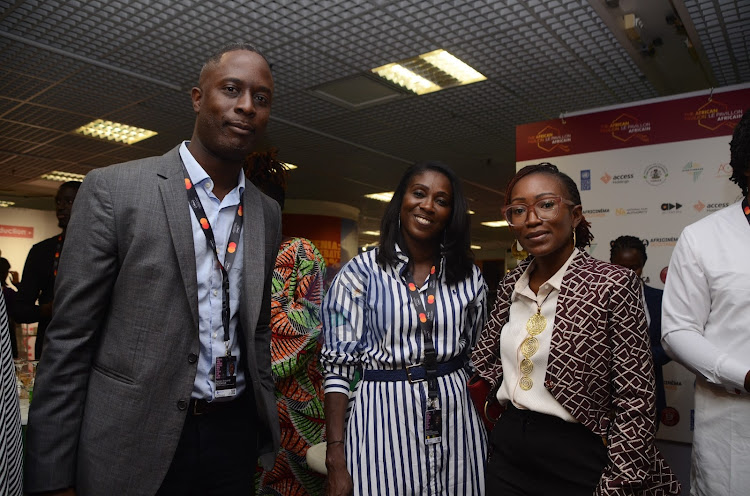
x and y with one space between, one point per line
10 415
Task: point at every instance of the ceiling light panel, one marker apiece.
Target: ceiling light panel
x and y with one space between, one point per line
115 131
383 197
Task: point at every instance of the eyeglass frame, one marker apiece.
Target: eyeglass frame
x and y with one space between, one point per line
556 198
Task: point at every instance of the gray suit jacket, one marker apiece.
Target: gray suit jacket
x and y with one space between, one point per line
112 389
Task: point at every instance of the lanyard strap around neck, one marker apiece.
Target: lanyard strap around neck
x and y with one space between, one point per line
58 250
426 315
234 238
746 209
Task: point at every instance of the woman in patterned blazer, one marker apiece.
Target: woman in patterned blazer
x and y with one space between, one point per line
566 348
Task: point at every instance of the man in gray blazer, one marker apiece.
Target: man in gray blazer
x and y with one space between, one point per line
156 376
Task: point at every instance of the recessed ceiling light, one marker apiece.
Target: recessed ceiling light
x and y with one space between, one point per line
496 223
4 203
476 247
288 166
115 131
384 196
470 212
63 176
371 233
429 72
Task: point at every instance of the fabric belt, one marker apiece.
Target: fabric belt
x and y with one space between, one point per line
414 373
203 407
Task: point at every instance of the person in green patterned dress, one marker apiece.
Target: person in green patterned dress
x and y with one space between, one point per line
298 291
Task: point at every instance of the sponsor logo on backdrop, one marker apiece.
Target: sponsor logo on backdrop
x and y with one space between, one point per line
606 178
695 168
626 127
663 275
16 231
672 208
631 211
655 174
724 170
586 180
699 206
596 212
550 138
714 114
664 241
713 207
670 416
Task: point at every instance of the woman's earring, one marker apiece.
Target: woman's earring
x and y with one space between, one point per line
574 237
518 252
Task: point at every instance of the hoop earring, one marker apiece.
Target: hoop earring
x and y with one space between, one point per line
574 237
517 251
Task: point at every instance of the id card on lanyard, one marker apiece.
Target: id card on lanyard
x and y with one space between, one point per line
433 418
225 371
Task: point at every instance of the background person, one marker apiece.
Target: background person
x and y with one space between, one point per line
130 396
409 310
567 346
630 252
36 291
705 320
10 297
297 294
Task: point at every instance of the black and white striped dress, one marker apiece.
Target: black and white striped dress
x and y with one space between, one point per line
369 322
10 415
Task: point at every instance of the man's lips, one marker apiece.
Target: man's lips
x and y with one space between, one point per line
241 127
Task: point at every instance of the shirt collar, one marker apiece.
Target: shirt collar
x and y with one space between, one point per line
555 281
198 175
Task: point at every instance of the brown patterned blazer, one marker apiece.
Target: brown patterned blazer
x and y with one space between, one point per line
599 363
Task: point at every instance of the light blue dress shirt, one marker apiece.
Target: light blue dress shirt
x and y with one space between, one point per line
220 215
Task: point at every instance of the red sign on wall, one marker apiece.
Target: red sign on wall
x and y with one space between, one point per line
681 119
16 231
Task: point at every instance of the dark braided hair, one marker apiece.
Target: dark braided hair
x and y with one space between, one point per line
583 233
628 243
740 152
267 174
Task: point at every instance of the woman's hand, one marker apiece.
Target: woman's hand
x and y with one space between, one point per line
339 482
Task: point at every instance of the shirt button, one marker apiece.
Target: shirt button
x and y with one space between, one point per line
182 404
214 335
192 358
208 186
548 384
216 292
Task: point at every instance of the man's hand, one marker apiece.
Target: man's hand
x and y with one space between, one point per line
14 279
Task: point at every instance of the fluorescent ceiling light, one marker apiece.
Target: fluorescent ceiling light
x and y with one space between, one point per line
429 72
496 223
4 203
470 212
384 196
396 73
63 177
453 66
114 131
371 233
476 247
288 166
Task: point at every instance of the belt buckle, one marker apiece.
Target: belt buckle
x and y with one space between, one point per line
408 373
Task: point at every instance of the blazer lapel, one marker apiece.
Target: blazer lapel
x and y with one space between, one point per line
253 268
172 188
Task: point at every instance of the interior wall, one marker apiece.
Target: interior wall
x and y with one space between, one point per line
16 222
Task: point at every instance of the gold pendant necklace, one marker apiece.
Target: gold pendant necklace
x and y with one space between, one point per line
536 324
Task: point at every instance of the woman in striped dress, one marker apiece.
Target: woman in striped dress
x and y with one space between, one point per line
407 315
10 415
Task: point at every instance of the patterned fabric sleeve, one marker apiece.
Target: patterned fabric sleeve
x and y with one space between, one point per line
297 294
631 433
343 325
10 415
476 314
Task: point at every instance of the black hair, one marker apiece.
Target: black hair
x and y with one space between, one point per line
739 149
456 248
215 57
267 174
70 184
4 269
583 232
628 243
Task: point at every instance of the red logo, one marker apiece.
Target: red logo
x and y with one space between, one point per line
670 417
699 206
663 275
606 178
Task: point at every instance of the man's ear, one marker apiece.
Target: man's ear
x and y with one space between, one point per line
195 95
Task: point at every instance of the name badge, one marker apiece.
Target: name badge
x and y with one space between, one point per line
225 376
433 425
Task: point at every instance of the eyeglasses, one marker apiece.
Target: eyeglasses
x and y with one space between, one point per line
545 209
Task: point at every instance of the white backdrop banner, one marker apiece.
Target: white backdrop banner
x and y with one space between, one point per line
647 170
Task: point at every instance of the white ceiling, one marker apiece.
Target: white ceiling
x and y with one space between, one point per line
64 63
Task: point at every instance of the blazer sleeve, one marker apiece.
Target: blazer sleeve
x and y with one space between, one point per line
86 275
631 431
25 309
